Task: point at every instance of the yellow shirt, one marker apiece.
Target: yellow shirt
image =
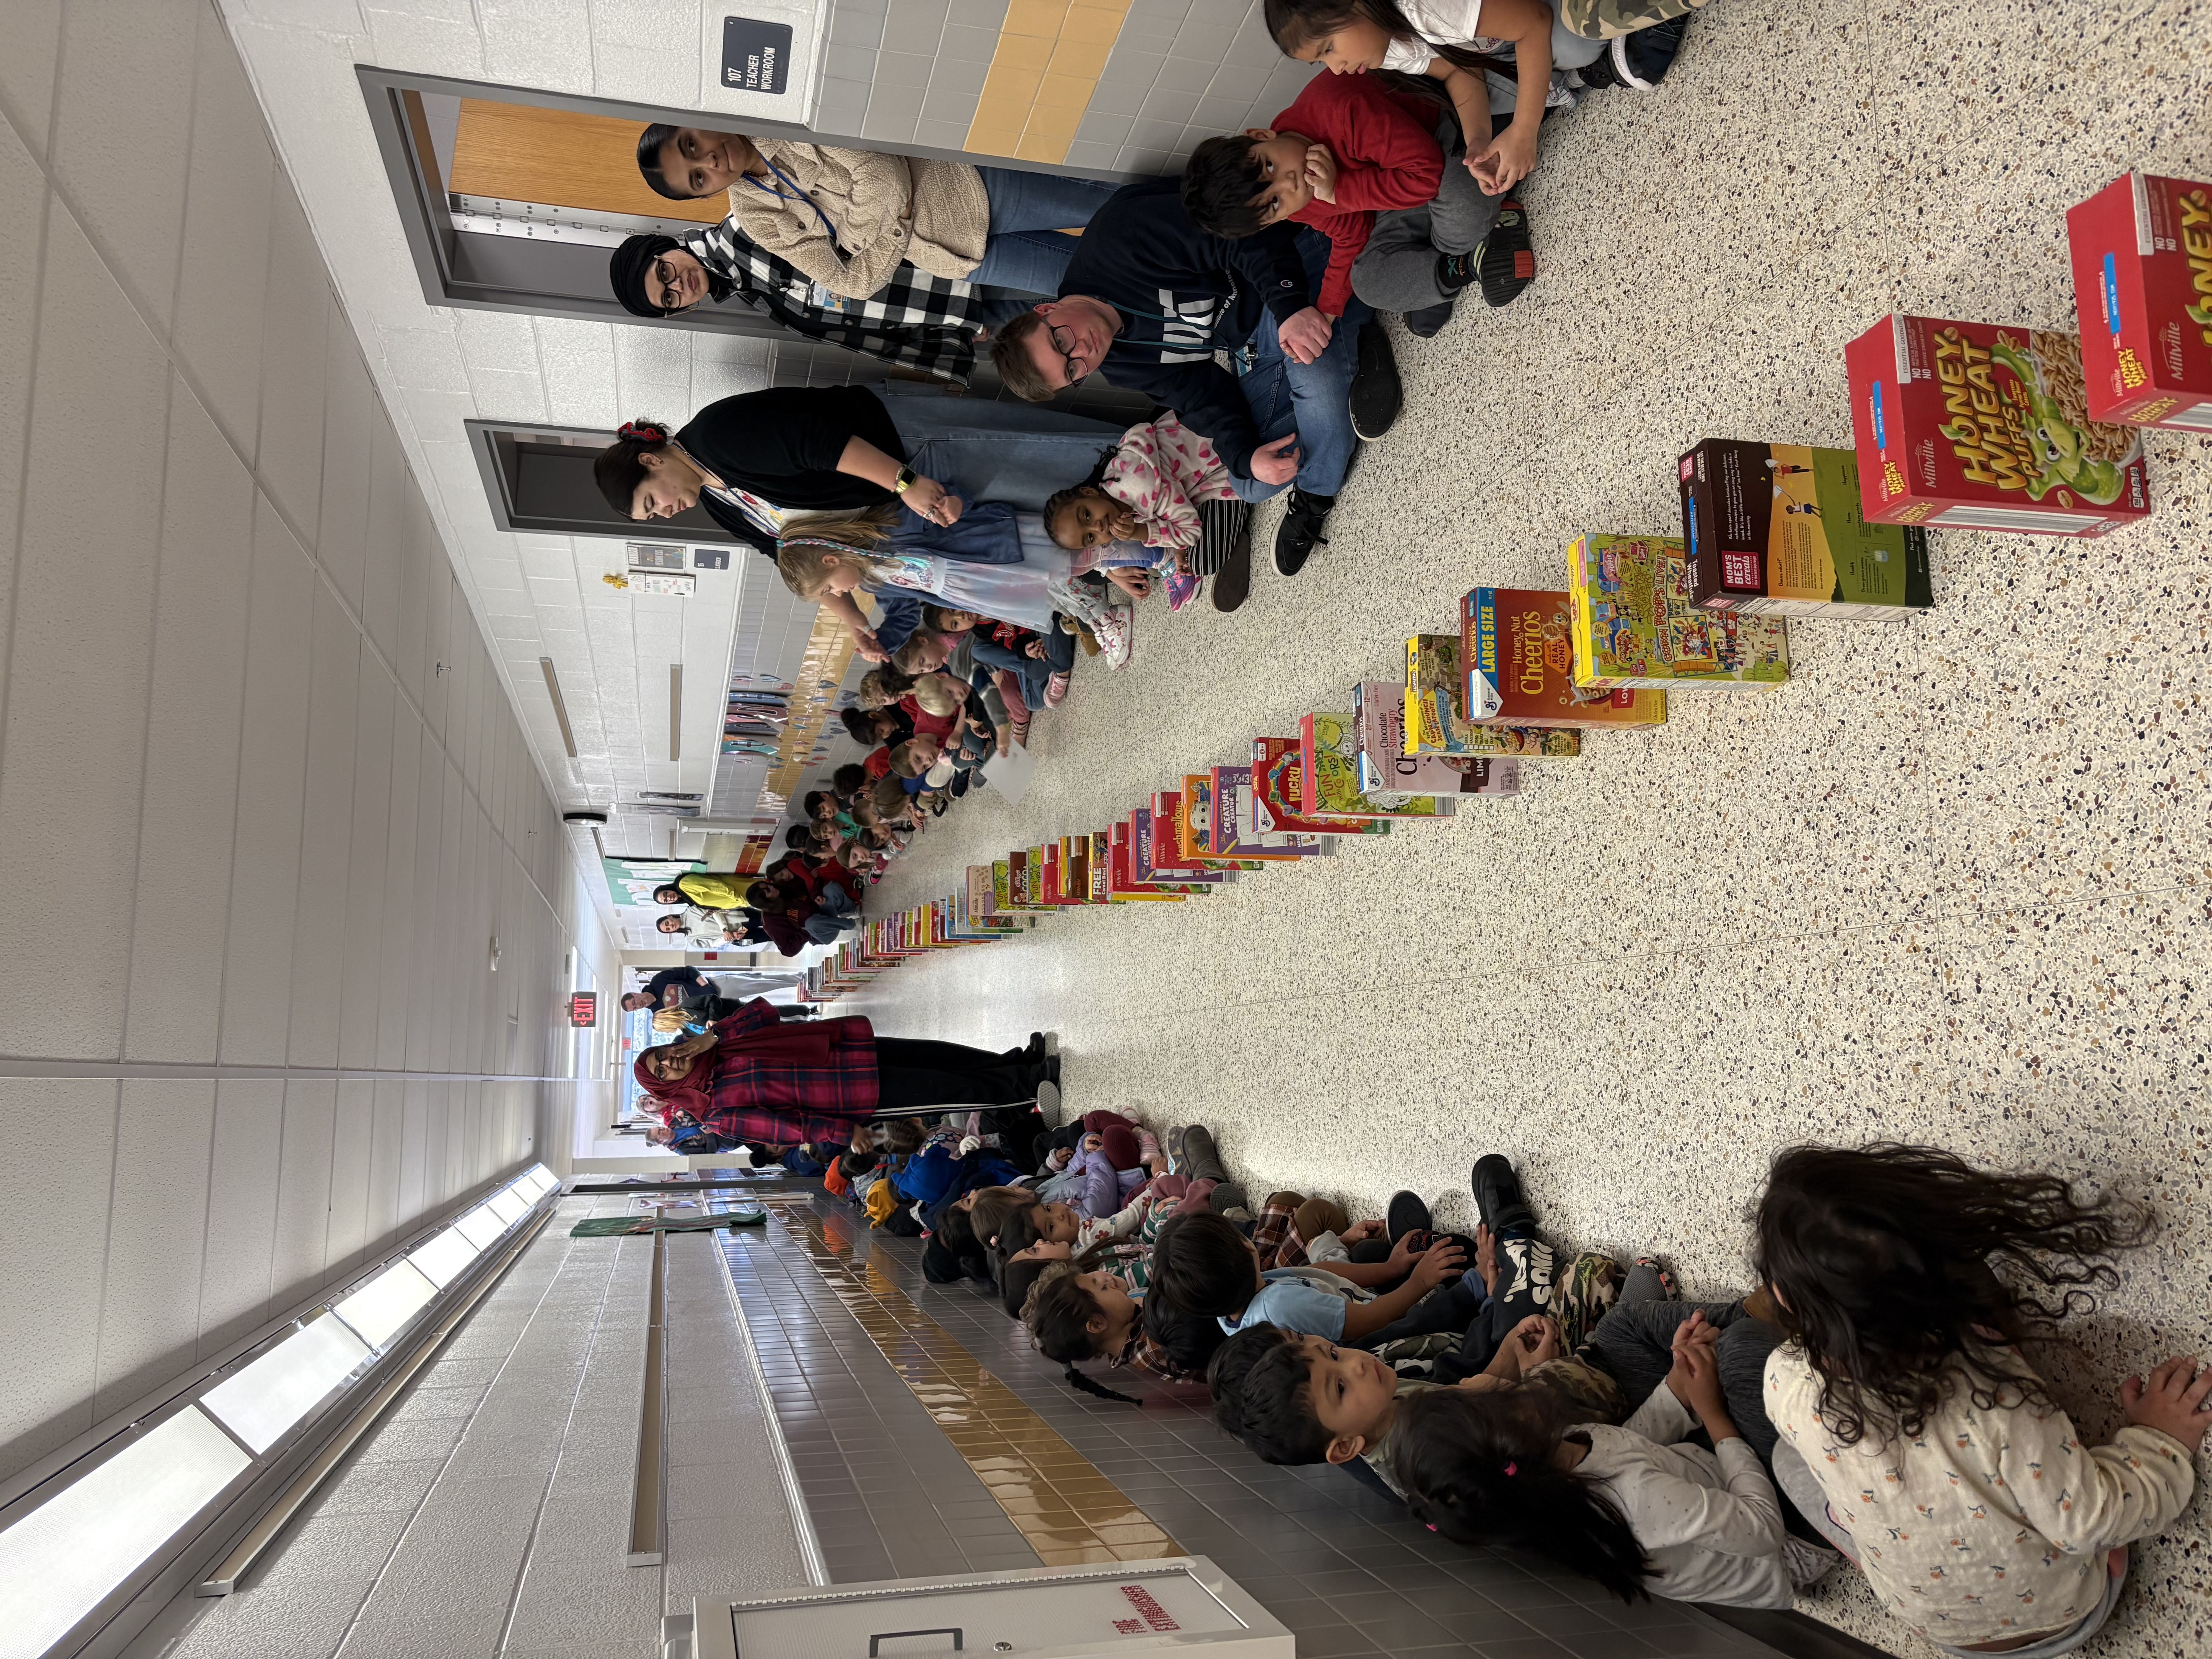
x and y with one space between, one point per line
1987 1525
712 891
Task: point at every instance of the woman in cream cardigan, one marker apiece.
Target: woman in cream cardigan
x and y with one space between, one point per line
848 217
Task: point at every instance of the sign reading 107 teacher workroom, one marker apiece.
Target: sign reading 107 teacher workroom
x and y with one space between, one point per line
756 54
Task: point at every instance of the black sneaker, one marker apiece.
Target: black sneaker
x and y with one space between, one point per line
1300 532
1642 59
1497 1198
1232 583
1505 263
1376 393
1406 1214
1429 321
959 784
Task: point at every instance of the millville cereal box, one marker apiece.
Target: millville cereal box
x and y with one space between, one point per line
1634 625
1389 774
1776 530
1972 426
1122 885
1277 788
1328 766
1147 844
1235 832
2142 290
1518 645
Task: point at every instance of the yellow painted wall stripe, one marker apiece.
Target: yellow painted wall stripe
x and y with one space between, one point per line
1049 57
1056 1497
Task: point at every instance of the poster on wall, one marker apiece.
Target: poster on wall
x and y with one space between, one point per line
631 881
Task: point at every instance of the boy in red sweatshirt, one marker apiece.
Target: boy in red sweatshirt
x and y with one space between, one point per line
1382 173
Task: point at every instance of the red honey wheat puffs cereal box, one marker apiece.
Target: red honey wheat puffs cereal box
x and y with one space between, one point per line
1974 426
2142 289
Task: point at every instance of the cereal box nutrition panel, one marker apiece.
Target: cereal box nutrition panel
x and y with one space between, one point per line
1983 427
1777 530
2142 289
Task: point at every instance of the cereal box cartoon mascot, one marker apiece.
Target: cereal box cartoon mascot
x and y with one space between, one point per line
2058 444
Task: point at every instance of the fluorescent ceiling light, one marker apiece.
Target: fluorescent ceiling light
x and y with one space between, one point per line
509 1206
259 1403
379 1309
480 1225
542 1180
442 1259
64 1558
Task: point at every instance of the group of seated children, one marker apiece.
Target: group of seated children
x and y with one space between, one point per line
1880 1376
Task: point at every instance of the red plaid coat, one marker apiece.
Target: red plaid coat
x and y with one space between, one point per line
770 1083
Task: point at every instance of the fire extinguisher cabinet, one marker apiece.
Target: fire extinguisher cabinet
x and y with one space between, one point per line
1124 1610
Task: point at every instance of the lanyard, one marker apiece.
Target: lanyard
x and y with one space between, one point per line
797 194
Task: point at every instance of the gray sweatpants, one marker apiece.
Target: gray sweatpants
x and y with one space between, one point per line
1397 270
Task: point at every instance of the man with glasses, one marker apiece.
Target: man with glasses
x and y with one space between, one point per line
1148 301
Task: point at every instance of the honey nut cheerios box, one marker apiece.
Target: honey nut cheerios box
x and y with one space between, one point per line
2141 250
1975 426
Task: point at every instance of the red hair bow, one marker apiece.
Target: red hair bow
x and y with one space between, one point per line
644 431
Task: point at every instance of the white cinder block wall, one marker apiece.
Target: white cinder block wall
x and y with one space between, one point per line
264 803
490 1513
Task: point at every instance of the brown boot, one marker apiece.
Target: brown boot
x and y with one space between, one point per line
1759 1305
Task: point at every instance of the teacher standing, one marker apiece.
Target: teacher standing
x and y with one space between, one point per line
758 458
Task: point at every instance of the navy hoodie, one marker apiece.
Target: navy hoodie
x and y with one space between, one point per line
1141 255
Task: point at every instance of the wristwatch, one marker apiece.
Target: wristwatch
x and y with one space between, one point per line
904 481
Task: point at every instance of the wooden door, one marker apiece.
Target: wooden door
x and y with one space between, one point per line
559 158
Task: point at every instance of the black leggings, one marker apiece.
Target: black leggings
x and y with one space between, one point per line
920 1071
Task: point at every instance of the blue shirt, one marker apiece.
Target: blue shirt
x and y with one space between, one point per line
1301 1299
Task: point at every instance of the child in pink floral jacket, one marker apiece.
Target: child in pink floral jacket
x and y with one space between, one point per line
1142 512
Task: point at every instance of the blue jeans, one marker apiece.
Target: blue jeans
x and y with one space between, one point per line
983 451
1313 400
1032 671
825 929
1026 249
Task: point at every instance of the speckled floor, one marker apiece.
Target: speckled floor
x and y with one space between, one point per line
1950 884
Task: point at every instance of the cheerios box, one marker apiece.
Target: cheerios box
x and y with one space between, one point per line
2143 291
1977 426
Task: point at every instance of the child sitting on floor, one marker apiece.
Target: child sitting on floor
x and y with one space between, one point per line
1377 169
1916 1432
1203 1266
1636 1507
1148 505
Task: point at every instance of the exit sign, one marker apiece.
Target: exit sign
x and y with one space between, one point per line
583 1008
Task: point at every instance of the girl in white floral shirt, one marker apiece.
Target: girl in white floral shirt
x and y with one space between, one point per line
1925 1445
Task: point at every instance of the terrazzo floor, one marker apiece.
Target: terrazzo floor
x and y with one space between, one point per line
1950 884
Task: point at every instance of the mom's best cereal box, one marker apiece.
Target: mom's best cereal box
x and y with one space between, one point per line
1974 426
1634 626
1776 530
2143 293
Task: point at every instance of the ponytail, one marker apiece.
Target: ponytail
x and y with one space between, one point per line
1478 1469
619 470
1091 1385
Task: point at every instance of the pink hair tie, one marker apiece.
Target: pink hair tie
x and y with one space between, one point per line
1512 1468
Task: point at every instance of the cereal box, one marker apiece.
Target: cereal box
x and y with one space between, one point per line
1518 645
1122 885
2142 292
1329 766
1278 786
1975 426
1777 530
1634 626
1235 832
1388 774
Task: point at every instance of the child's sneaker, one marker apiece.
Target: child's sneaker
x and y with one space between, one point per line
1505 263
1667 1287
1116 630
1055 692
1182 588
1498 1199
1808 1563
1408 1214
1641 60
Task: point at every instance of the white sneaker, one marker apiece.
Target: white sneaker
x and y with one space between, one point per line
1048 1100
1116 630
1809 1564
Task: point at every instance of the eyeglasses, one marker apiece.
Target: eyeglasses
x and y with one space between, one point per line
1064 344
671 294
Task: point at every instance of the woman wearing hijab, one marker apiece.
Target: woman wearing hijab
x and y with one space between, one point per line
929 324
752 1078
756 459
848 218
